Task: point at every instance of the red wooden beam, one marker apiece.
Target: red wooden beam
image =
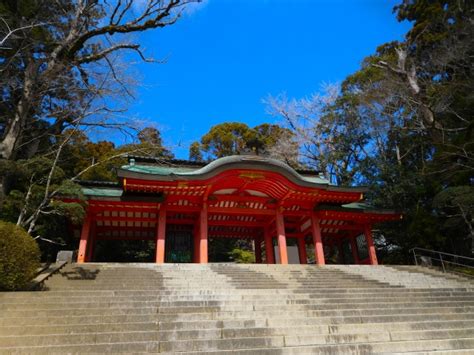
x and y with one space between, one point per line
234 236
300 213
177 198
266 201
181 221
125 228
294 235
178 222
153 237
141 209
104 203
347 227
232 230
356 216
100 238
236 223
231 223
183 209
241 211
125 219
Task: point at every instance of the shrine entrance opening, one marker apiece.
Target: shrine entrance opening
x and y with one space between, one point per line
179 246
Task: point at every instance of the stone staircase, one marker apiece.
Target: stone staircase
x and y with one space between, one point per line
240 309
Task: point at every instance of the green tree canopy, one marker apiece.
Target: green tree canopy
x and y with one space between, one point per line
234 138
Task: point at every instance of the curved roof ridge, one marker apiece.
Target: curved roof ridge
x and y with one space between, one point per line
161 173
242 161
249 159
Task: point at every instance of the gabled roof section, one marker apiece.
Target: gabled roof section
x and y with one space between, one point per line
170 172
197 164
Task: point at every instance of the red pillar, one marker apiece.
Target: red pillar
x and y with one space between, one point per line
370 244
196 243
203 257
85 235
258 251
302 251
92 241
160 236
269 257
318 243
280 225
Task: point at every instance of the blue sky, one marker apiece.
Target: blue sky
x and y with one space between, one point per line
225 56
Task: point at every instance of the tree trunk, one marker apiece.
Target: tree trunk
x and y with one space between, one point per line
12 135
13 132
412 80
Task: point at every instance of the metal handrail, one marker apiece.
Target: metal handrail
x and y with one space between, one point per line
440 258
441 252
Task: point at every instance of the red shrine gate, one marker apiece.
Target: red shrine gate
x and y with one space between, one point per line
245 197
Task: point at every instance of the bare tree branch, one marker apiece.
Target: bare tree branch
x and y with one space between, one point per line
10 32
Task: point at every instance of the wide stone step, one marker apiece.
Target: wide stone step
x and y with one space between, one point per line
308 340
27 297
311 330
272 318
363 292
21 330
183 300
443 352
221 344
157 285
257 326
389 347
87 348
75 339
367 319
299 340
209 312
235 304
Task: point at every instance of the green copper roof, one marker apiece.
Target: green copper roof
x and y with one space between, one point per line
101 191
236 161
167 170
159 170
354 207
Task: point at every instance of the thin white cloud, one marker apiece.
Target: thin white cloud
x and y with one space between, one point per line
194 7
189 9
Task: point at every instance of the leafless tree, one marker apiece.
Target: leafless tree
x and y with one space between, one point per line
319 134
6 31
81 76
88 39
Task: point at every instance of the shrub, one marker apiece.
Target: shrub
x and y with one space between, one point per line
19 257
242 256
